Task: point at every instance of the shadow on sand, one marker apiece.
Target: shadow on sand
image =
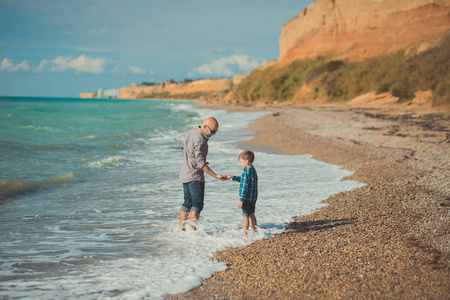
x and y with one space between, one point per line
317 225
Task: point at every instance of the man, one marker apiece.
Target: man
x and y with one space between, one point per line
192 172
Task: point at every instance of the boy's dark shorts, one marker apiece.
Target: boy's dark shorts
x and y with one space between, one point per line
248 208
194 195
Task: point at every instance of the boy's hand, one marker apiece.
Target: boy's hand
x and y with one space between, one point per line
228 176
240 204
223 177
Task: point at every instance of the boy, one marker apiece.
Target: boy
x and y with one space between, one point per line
248 189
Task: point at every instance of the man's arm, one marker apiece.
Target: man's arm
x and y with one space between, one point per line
210 172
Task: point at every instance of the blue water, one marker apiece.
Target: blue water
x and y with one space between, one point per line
89 197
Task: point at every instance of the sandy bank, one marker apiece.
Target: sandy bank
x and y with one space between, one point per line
389 239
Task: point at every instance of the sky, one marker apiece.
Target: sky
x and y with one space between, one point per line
60 48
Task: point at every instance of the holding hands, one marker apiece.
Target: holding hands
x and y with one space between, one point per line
225 177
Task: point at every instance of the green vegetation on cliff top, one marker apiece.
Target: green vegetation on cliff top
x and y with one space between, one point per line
399 73
167 95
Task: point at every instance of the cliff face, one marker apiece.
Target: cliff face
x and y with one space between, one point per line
176 89
359 29
88 95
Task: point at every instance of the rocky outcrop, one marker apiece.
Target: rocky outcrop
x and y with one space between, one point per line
373 99
356 30
88 95
422 97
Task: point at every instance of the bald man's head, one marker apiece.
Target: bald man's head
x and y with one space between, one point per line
210 126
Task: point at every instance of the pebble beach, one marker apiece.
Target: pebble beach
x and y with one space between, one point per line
387 240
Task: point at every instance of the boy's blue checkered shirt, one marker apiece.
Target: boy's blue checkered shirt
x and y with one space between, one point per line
248 187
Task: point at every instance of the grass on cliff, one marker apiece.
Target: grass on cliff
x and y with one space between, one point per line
334 80
167 95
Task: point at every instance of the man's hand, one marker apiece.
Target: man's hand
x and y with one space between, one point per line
210 172
223 177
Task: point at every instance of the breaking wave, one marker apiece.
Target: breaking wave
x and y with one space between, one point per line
108 162
12 187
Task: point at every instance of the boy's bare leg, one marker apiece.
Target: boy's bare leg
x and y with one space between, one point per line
193 219
183 219
254 222
245 229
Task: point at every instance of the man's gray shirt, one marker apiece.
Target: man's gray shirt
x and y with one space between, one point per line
195 151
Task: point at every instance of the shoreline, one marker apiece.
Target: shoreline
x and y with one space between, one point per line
389 239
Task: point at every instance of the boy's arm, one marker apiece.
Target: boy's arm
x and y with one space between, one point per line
236 178
243 186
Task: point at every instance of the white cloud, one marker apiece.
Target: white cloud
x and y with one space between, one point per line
8 65
81 64
59 64
227 66
137 70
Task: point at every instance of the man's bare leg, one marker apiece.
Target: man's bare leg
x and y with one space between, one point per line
193 219
183 219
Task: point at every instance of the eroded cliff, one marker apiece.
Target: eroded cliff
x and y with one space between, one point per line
356 30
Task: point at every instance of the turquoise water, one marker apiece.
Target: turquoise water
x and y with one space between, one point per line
45 138
89 197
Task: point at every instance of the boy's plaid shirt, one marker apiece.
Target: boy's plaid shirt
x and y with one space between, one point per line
248 187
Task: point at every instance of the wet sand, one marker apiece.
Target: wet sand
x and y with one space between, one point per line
389 239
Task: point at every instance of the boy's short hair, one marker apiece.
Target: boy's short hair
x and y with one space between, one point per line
247 155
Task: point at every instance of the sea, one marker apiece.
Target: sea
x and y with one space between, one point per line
90 197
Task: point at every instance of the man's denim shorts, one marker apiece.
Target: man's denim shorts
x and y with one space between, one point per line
248 208
194 195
